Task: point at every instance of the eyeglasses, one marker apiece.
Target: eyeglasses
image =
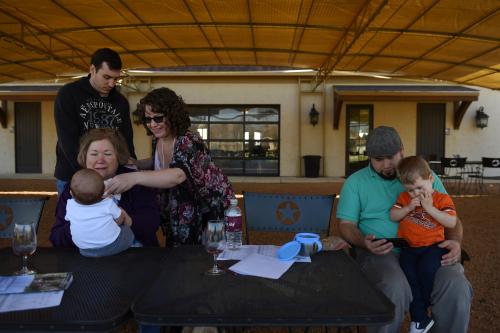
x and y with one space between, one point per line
157 119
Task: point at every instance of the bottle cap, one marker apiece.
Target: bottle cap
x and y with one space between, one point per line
233 201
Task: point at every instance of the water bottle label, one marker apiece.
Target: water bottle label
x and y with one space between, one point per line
234 223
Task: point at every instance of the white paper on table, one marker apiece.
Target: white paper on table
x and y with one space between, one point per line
15 284
27 301
260 265
246 250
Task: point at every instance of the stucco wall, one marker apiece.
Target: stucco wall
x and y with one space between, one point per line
235 91
297 136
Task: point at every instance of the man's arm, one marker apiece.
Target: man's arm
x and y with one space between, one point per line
68 131
455 233
350 232
452 244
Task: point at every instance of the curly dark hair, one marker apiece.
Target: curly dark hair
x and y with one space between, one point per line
168 103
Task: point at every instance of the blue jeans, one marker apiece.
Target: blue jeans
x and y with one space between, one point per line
124 240
420 265
60 184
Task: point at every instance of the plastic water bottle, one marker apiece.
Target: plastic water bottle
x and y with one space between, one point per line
233 225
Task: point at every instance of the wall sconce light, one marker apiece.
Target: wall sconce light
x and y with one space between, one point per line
313 116
481 118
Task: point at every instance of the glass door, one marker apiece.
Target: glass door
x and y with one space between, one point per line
359 123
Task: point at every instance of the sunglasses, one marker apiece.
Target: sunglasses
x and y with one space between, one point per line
157 119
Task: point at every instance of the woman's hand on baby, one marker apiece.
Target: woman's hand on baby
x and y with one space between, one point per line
120 183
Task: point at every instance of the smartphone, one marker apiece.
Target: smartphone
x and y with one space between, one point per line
397 242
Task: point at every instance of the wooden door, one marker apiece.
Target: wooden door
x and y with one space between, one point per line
28 138
430 130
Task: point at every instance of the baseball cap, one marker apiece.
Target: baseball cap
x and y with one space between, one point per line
383 141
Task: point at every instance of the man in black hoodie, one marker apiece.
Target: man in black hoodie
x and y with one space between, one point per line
91 102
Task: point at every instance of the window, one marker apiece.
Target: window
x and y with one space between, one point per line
243 139
359 123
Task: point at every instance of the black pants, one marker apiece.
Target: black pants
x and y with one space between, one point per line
420 265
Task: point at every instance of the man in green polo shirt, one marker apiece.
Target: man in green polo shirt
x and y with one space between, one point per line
363 211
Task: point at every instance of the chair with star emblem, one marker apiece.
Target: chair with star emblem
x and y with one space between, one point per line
17 209
276 212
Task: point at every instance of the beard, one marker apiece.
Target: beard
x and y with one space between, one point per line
391 176
388 177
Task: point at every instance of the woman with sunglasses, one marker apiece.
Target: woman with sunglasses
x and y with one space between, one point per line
192 188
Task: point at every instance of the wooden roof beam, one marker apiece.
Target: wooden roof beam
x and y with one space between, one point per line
202 30
39 50
252 32
213 24
358 25
302 27
446 42
144 25
100 32
19 63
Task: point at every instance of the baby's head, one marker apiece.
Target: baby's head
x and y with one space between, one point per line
415 175
87 187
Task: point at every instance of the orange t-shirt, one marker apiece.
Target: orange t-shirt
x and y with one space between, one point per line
420 228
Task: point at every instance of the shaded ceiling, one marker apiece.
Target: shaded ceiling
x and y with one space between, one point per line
452 40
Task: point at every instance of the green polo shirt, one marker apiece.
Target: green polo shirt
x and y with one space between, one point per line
366 199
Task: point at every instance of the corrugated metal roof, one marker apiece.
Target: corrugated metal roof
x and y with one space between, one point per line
450 40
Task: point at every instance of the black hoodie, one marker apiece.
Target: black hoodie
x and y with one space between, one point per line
78 108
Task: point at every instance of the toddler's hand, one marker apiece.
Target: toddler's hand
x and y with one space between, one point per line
426 200
415 202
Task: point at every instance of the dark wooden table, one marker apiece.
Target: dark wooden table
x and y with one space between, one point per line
100 296
330 291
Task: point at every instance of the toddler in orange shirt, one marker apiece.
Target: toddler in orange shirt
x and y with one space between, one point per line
422 214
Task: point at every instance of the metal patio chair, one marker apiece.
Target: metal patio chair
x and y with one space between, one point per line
453 175
279 212
487 164
276 212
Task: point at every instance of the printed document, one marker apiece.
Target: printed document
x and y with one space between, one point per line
27 301
261 265
25 292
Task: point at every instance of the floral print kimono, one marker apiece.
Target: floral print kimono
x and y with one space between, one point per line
205 194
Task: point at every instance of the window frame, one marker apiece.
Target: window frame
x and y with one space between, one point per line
212 109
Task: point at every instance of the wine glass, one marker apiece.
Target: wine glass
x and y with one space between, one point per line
215 240
24 244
